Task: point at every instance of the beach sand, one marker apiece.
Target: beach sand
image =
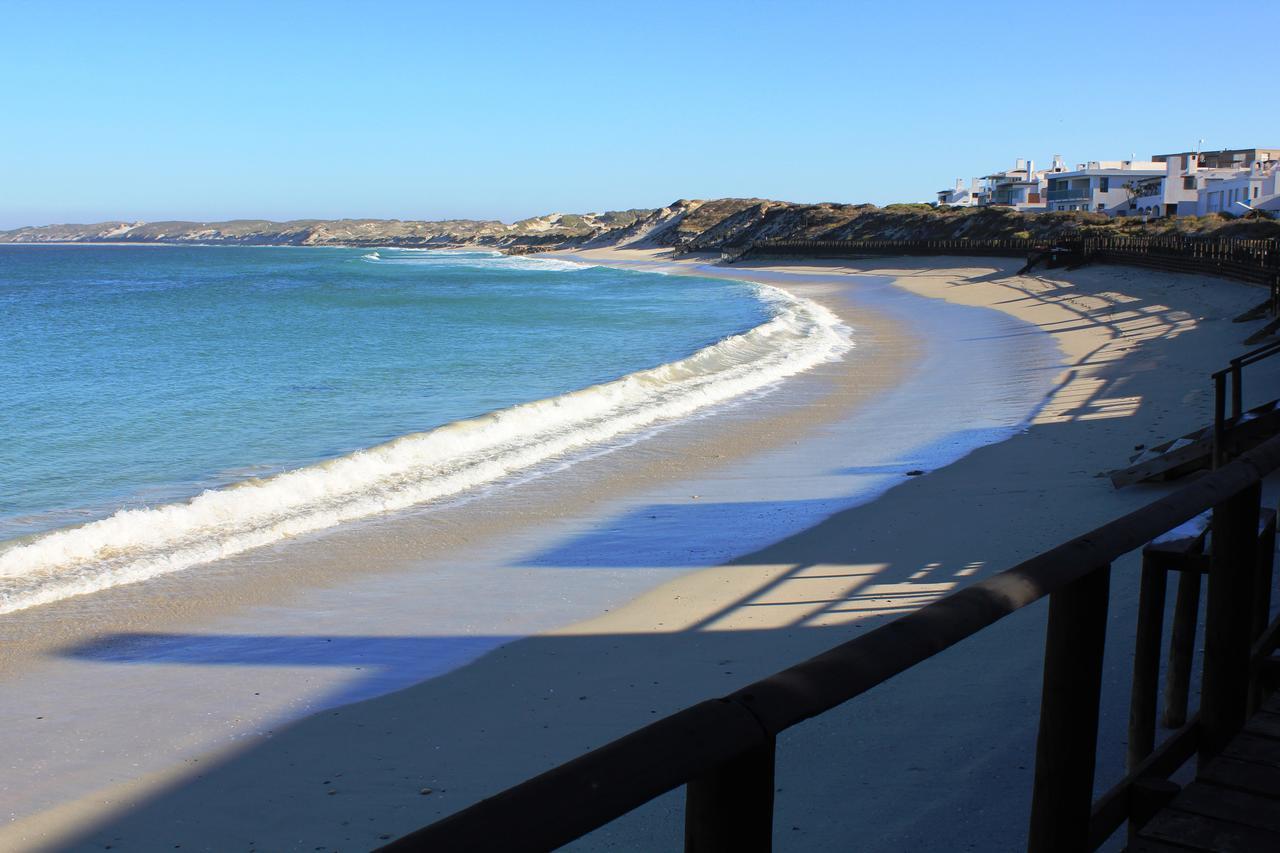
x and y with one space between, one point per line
937 759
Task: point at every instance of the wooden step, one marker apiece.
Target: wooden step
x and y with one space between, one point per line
1194 451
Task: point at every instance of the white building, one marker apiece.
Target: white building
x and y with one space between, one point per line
1237 193
1102 186
1188 183
1016 186
1227 158
960 195
1178 191
1022 187
1226 181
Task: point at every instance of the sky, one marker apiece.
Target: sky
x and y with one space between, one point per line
492 110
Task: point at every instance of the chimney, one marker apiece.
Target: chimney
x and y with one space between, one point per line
1031 170
959 184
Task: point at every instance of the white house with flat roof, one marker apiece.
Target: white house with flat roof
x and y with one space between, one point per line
1102 186
960 195
1021 187
1011 188
1177 192
1243 189
1227 158
1188 183
1200 182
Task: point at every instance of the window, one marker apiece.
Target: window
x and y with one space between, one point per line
1189 183
1255 192
1104 185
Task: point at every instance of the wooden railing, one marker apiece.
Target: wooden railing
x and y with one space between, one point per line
1221 396
722 750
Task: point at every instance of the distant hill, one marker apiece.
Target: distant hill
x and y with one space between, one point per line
691 224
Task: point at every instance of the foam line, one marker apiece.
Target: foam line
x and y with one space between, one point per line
136 544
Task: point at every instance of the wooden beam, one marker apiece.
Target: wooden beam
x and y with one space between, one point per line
1228 620
1066 749
730 809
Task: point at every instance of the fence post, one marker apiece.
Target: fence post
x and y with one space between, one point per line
731 808
1182 649
1237 390
1066 748
1228 623
1219 419
1263 576
1146 662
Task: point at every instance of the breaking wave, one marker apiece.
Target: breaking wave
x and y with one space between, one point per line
137 544
472 258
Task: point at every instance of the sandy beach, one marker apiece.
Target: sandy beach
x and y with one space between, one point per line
968 430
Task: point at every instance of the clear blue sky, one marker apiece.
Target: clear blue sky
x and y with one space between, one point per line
503 110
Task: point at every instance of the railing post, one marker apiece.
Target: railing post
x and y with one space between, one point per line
1066 748
1237 391
731 808
1228 620
1146 662
1263 576
1182 649
1219 418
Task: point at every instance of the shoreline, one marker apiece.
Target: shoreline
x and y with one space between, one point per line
794 406
680 618
59 645
776 336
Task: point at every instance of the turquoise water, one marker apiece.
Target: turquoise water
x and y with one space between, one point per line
133 375
168 406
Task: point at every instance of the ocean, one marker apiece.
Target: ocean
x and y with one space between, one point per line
168 406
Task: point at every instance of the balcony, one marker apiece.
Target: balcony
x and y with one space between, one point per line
1075 196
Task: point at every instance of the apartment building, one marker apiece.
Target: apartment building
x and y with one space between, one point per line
1102 186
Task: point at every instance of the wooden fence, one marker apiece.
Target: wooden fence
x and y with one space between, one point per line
1010 247
722 750
1256 261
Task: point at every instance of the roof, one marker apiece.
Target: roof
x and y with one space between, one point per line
1086 173
1216 151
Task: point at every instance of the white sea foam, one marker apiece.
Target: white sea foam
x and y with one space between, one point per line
136 544
473 258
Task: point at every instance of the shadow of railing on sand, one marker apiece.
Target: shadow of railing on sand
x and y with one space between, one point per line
375 665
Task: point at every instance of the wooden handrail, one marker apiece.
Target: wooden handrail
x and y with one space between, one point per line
723 748
1235 372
